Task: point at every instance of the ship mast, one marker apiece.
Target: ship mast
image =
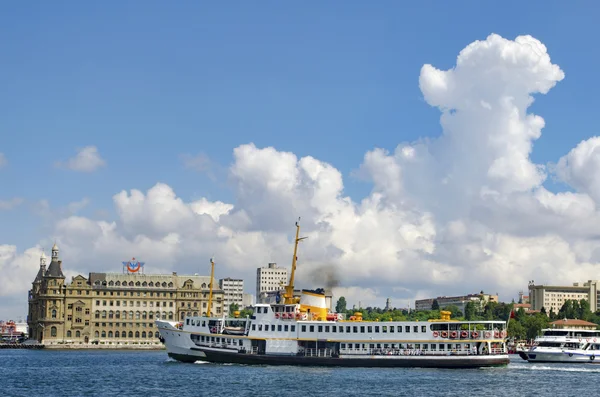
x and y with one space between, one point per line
289 289
212 275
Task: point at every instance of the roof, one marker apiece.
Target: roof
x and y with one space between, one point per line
521 305
54 270
573 322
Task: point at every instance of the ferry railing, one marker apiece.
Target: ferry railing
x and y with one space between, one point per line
417 352
317 352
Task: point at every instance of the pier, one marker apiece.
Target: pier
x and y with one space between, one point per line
21 346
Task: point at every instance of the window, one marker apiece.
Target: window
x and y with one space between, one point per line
423 328
54 316
377 328
362 329
311 328
407 328
104 334
320 328
304 328
384 328
416 328
77 334
97 334
69 334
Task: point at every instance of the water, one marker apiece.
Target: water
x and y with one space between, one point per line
151 373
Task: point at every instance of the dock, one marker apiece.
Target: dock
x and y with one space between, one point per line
21 346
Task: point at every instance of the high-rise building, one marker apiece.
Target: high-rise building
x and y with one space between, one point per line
268 279
553 297
233 290
112 308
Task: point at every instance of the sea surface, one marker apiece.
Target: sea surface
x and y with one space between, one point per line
152 373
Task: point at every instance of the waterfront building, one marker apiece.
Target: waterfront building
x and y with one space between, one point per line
480 299
270 279
112 308
553 297
233 292
568 323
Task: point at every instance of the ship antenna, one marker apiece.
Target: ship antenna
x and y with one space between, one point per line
210 293
289 289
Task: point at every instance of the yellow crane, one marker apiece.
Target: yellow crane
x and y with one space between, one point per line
289 289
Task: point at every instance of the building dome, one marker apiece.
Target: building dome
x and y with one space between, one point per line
55 247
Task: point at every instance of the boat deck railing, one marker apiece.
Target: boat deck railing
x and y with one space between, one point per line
317 352
418 352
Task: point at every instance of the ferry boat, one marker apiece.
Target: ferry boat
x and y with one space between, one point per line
563 345
301 331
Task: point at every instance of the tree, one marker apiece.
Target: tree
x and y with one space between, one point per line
340 306
454 310
246 313
470 311
516 330
435 305
232 309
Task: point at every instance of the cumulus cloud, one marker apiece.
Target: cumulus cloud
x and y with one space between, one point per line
87 160
461 213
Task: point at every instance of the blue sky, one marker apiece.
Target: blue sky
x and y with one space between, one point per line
147 82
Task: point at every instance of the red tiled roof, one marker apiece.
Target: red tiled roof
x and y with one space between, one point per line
524 305
573 322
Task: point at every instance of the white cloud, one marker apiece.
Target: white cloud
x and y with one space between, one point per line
87 160
461 213
10 204
3 160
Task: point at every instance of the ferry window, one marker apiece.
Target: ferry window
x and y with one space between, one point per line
379 345
187 321
253 327
355 329
442 346
384 328
423 328
260 327
202 338
311 328
449 346
272 327
385 345
391 328
407 328
416 328
369 329
204 323
304 328
399 328
343 346
285 328
377 328
258 309
320 328
341 329
433 346
279 328
333 328
348 329
362 329
372 346
327 328
240 342
357 346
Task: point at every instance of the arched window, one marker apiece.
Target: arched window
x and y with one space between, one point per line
157 315
170 315
204 313
118 283
124 315
130 334
137 334
111 283
53 331
111 314
97 334
77 334
97 313
110 334
170 285
164 316
144 315
203 285
104 334
131 315
103 313
164 285
144 284
156 335
195 314
151 315
117 314
69 334
137 315
137 284
53 313
131 283
116 334
143 334
182 316
151 284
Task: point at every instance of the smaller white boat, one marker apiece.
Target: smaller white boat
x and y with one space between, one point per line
561 345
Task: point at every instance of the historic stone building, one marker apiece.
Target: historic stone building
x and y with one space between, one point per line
112 308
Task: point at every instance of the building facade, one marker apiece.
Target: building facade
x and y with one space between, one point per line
480 300
553 297
233 293
112 308
269 279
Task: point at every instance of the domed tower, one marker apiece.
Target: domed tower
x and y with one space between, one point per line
55 268
35 310
53 301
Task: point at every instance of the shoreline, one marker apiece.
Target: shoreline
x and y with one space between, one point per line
82 347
